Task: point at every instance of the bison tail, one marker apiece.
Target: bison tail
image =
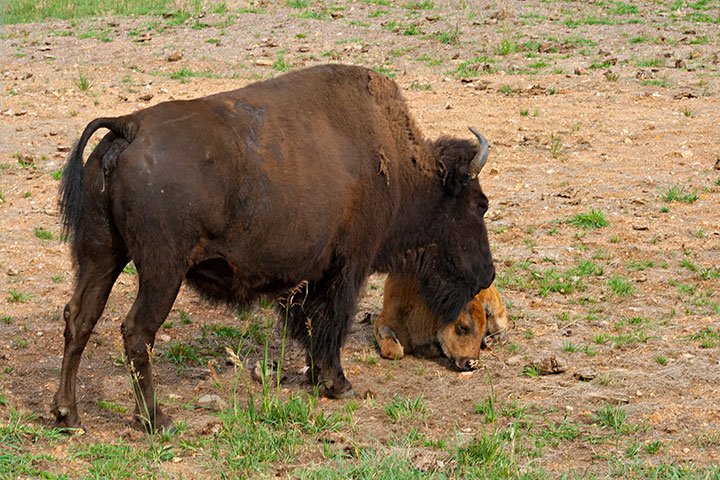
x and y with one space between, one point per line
70 198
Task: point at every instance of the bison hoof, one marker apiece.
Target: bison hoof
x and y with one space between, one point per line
67 421
329 393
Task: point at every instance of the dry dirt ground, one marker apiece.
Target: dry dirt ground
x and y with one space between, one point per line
589 107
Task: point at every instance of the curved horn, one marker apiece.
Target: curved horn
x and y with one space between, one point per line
478 162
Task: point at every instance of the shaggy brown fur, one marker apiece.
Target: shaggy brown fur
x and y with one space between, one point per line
407 325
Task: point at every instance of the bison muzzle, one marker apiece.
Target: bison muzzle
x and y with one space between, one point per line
309 181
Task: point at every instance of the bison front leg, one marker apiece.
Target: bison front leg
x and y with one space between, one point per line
95 279
321 321
152 305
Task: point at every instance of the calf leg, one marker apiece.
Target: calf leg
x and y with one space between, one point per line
388 342
95 278
156 296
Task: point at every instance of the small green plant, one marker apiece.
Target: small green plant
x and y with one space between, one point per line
82 82
653 447
280 64
589 220
415 85
530 371
611 76
43 234
130 269
611 416
661 360
677 193
399 408
19 297
448 38
620 286
487 408
58 278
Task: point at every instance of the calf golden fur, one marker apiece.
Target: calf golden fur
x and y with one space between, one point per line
407 325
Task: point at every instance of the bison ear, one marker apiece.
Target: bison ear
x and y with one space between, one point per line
462 160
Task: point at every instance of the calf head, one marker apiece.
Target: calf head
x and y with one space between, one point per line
461 340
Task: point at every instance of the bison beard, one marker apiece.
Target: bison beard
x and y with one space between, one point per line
315 178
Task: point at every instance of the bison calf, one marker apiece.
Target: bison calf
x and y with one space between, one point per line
407 325
309 181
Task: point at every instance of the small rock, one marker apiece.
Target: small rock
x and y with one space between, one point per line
145 98
164 337
211 401
580 71
12 272
263 62
270 373
197 373
63 148
639 393
175 56
20 113
717 164
686 154
584 375
640 224
466 375
549 365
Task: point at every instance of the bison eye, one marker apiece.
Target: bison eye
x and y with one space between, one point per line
463 329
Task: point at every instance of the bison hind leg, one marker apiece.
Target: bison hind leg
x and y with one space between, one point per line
388 342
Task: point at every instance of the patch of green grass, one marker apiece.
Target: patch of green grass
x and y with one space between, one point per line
184 75
654 62
708 337
556 147
640 265
589 220
22 11
614 417
43 234
415 85
709 273
19 297
451 37
130 269
507 47
399 408
622 8
553 281
620 286
661 360
280 64
677 193
420 5
82 82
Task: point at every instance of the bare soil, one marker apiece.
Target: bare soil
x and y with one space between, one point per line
567 138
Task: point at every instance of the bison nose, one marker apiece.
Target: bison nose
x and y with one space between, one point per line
467 364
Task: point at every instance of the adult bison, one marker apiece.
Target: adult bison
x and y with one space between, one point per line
315 178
